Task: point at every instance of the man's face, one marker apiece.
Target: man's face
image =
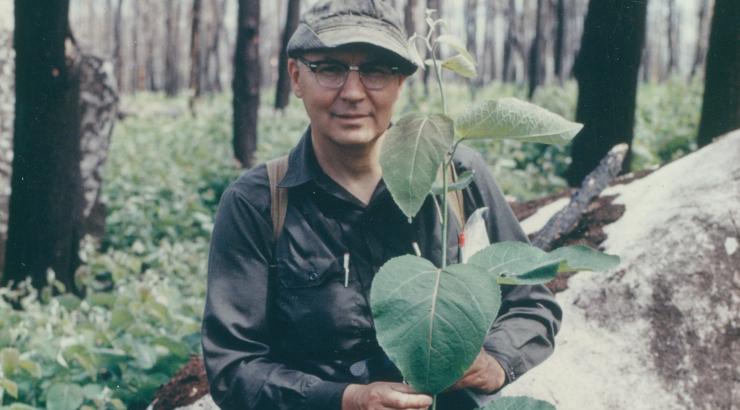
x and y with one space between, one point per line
351 115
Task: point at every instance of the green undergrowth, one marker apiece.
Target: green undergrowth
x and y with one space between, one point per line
145 284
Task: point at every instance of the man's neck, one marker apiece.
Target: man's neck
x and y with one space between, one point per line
356 168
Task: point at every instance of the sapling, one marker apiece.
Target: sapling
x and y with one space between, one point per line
431 320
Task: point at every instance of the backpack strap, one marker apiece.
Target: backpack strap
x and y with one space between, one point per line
276 169
455 198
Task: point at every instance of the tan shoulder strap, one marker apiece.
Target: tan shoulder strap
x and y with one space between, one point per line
276 169
455 198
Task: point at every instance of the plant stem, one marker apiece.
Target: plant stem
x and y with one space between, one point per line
434 402
438 75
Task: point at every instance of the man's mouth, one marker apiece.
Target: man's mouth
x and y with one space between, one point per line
351 116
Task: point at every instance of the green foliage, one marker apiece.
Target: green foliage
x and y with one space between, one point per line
429 320
412 153
432 321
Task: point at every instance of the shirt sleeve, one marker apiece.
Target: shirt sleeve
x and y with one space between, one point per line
523 334
241 370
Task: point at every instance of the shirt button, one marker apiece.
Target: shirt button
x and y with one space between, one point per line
313 275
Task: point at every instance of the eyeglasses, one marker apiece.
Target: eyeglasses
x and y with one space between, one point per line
333 74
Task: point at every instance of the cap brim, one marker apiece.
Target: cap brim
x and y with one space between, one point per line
341 35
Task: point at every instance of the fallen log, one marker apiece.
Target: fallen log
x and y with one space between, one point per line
566 219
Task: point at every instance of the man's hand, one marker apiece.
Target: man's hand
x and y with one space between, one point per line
485 375
384 396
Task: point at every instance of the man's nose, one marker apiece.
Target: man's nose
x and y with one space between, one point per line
353 89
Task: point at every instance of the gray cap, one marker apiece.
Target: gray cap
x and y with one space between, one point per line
334 23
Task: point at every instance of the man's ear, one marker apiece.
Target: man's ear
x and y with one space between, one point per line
294 74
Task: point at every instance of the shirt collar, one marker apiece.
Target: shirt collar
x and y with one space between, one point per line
302 163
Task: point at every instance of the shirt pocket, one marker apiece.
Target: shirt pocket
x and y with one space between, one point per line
296 273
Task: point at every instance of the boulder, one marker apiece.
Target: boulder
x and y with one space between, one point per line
662 330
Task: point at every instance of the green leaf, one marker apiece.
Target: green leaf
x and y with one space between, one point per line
121 318
145 356
62 396
102 299
516 263
431 322
92 391
30 367
456 44
9 386
515 119
69 301
412 153
579 257
460 65
10 359
463 180
518 403
21 406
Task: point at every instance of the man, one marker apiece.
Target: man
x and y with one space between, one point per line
286 326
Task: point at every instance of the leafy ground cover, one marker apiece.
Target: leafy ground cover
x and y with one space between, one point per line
141 317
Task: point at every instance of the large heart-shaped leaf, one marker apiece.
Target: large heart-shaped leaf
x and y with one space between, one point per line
460 65
432 322
412 153
517 263
518 403
515 119
580 257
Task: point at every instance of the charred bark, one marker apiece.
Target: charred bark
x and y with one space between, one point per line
721 106
282 90
607 71
46 203
246 85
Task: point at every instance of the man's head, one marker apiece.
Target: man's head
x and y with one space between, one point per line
334 39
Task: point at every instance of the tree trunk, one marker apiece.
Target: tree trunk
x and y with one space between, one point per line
536 52
171 52
282 90
150 69
246 85
490 42
195 58
117 54
471 30
560 34
510 43
44 228
672 36
721 107
607 70
700 53
135 69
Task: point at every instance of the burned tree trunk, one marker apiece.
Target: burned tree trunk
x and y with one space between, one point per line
489 46
560 35
195 57
172 50
282 90
46 203
536 52
117 53
700 52
607 70
510 43
246 85
721 107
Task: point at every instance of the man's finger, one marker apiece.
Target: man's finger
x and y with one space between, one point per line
398 400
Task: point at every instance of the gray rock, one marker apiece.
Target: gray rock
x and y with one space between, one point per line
662 330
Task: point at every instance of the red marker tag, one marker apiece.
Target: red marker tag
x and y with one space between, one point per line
461 239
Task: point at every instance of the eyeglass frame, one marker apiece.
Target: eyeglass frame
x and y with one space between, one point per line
314 65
